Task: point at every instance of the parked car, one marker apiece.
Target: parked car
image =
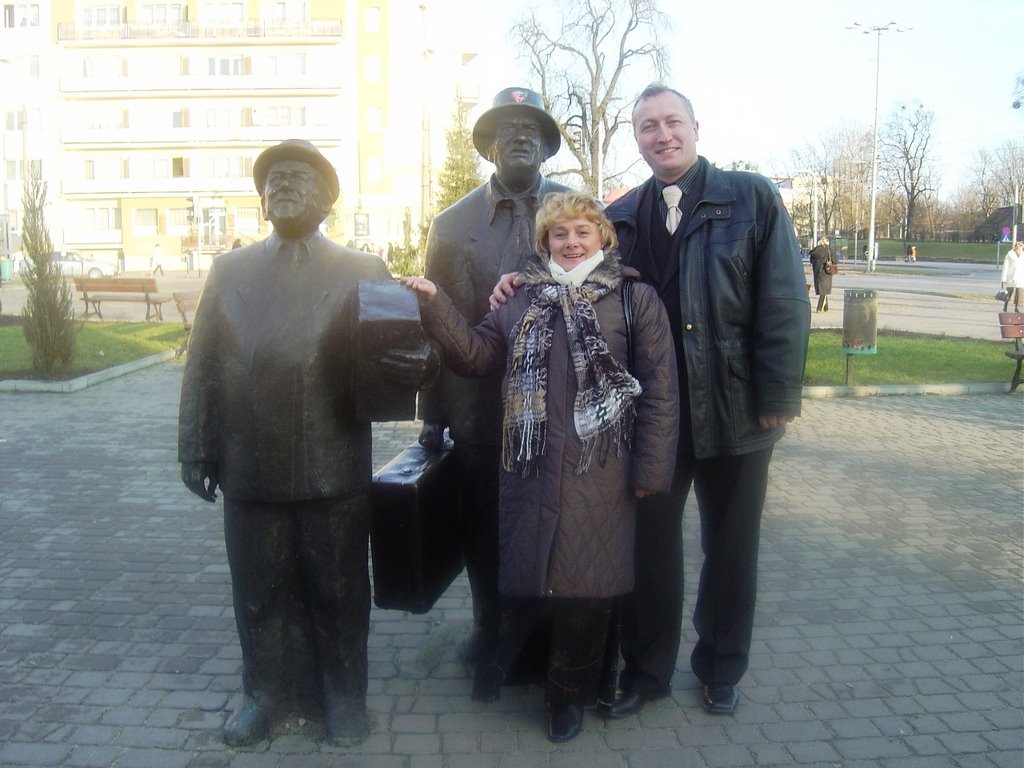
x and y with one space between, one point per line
73 263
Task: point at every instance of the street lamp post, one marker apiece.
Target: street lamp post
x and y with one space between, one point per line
878 30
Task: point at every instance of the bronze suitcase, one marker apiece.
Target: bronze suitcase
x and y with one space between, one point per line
414 532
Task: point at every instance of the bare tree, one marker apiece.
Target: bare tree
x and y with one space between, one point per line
1009 169
579 52
839 167
983 183
906 158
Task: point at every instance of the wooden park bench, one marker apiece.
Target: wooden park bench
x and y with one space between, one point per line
96 290
1011 326
186 301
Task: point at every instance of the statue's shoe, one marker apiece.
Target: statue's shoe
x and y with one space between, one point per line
249 724
346 722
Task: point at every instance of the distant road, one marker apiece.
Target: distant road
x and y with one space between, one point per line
926 297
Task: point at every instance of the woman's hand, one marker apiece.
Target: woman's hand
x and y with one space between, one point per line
641 493
425 289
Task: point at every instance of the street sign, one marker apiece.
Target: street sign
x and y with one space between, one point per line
1006 235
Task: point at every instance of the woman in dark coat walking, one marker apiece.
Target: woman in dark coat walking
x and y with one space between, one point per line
820 256
585 433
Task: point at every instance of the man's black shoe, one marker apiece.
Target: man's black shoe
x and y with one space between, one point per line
565 723
720 699
631 702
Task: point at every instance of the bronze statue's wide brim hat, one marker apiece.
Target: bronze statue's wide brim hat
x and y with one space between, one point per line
510 102
295 149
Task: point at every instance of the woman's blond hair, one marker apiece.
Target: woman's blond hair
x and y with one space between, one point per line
573 205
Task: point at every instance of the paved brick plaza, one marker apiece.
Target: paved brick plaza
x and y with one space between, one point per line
889 626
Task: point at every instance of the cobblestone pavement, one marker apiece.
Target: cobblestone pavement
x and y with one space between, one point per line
889 625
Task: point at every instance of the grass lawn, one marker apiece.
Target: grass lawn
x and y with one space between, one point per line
893 250
902 358
100 345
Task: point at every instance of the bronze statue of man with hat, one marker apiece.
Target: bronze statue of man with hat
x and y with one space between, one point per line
487 233
268 414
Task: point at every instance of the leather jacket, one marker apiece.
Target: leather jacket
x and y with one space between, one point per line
745 311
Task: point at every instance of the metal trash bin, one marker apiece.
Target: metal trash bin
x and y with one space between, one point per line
860 321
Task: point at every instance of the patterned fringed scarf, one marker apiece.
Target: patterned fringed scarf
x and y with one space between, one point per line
604 408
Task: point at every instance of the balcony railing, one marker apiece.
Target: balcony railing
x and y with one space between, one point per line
195 30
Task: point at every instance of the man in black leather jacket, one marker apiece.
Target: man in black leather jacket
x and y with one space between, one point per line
731 279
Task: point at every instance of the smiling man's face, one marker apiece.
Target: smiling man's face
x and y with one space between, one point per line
666 135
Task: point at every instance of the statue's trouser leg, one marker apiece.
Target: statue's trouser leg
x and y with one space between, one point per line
316 549
478 496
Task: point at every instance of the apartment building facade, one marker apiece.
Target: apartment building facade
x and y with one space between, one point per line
145 117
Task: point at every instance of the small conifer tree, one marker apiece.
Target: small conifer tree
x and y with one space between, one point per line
49 323
461 172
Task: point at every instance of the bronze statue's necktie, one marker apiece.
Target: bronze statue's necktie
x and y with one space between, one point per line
294 251
672 195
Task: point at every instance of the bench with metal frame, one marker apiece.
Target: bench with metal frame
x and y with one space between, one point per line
186 302
1011 326
96 290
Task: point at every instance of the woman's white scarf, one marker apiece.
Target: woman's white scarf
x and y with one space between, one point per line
604 408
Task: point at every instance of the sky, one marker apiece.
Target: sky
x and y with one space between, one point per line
766 78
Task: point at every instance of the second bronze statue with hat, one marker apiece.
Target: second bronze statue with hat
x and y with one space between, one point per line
512 103
485 234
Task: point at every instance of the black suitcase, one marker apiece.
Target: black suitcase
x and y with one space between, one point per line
414 531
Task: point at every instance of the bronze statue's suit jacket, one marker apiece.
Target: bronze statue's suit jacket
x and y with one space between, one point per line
267 389
466 254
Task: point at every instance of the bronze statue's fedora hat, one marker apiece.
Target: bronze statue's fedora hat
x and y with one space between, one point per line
295 149
513 101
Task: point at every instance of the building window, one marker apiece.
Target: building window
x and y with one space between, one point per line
178 221
247 220
373 69
285 10
374 170
222 13
178 169
225 65
152 168
101 118
102 66
373 19
290 64
163 13
226 167
101 219
145 221
101 15
21 15
225 117
280 117
374 121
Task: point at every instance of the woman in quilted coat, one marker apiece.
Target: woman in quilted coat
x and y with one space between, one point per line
589 425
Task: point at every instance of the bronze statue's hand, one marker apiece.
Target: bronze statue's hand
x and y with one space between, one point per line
504 290
201 477
432 437
411 368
